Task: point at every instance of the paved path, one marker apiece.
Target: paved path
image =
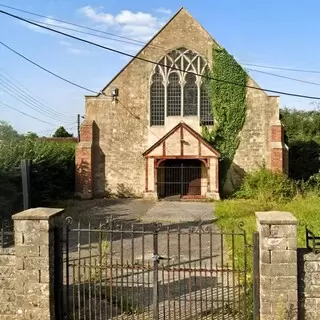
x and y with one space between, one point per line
170 211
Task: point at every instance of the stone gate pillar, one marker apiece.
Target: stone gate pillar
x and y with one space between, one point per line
278 265
38 269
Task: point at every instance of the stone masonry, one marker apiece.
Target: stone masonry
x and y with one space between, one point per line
278 265
7 283
35 231
309 284
113 161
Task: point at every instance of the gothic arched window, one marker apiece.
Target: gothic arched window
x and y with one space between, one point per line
174 95
190 96
157 104
179 91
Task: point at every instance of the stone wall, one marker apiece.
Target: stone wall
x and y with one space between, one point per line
30 271
278 265
7 284
309 284
124 132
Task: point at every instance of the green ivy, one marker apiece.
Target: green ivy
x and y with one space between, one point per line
228 103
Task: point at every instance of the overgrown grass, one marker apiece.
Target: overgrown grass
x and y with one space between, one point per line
266 191
305 208
263 190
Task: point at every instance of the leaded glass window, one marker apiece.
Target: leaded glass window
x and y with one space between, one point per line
174 95
179 92
157 100
206 118
190 96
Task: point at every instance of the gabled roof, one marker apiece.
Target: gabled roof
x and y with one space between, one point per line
187 128
147 44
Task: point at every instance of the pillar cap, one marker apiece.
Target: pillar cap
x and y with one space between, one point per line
37 214
276 217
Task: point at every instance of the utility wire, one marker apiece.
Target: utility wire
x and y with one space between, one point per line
138 44
44 103
141 42
72 24
27 115
26 101
39 66
41 109
279 68
160 64
86 33
284 77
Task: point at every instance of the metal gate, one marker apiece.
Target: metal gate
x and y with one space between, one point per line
182 178
149 271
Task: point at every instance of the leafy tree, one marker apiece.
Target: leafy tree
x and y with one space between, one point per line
61 132
7 133
31 135
302 134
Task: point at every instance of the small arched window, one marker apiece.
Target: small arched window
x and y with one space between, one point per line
180 92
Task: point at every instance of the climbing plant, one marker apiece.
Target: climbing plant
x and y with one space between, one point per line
228 102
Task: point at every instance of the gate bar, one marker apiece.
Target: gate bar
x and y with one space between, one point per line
256 276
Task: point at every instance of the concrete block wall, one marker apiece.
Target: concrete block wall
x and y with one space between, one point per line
7 284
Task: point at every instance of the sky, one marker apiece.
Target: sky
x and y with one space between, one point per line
269 33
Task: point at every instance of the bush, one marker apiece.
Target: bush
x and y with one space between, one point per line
266 186
52 173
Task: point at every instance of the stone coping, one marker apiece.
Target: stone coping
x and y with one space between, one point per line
37 214
276 217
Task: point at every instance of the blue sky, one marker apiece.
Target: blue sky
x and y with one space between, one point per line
277 33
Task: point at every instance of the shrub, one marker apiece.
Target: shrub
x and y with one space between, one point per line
266 185
52 174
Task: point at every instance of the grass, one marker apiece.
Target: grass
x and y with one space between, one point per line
231 212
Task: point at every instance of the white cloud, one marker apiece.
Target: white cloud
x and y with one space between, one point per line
70 48
164 11
95 16
138 25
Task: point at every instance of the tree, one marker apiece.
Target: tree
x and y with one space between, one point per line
61 132
7 132
302 135
31 135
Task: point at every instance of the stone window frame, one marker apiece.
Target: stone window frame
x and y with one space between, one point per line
189 61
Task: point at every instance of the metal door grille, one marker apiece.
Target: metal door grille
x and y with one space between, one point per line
180 181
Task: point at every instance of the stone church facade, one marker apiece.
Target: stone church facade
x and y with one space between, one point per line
141 136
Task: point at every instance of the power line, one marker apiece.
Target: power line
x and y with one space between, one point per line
138 44
86 33
135 40
39 66
280 68
44 103
73 24
7 89
40 108
160 64
284 77
28 115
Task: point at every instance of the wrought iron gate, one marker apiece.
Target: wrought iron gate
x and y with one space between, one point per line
180 180
149 271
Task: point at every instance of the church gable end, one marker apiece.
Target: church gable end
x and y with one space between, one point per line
159 114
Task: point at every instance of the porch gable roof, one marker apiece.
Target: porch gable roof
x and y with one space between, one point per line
179 128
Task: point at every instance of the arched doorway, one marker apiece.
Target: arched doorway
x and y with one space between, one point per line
182 178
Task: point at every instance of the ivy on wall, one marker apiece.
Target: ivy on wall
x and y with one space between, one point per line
228 102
